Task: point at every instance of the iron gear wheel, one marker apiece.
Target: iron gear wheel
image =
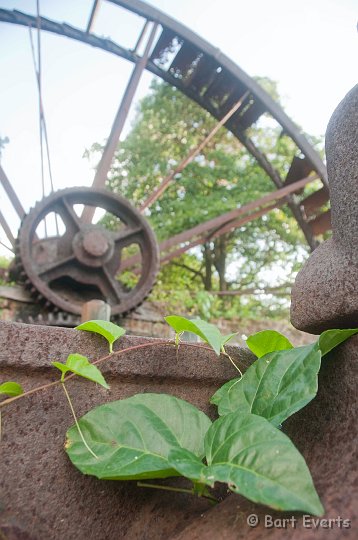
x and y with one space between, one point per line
82 261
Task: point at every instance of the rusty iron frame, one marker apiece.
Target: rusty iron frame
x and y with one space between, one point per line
220 225
150 13
93 15
159 18
224 219
7 229
119 121
221 231
10 192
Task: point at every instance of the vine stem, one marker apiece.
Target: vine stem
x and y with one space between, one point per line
107 357
232 361
171 488
76 421
68 377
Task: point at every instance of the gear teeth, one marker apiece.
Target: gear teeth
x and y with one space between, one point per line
62 318
21 266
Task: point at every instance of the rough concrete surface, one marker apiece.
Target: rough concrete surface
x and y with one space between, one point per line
325 294
43 497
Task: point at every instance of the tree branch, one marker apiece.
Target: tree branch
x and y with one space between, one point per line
190 269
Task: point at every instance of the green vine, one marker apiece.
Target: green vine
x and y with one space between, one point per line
149 436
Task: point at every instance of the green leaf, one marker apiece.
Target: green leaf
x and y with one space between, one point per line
133 437
260 462
188 464
331 338
223 390
206 331
11 389
276 385
267 341
76 363
108 330
226 339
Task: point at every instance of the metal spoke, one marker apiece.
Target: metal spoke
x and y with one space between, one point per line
112 287
56 269
119 120
127 236
69 216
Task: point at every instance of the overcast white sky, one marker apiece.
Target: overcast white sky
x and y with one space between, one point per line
308 46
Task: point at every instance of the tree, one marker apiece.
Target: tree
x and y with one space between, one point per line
224 176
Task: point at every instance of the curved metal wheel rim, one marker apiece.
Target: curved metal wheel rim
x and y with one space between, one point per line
258 100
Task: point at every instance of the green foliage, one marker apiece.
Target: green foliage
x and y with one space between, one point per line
267 341
80 365
5 261
189 465
275 386
332 338
133 437
258 461
111 332
227 338
4 266
279 383
206 331
11 389
243 448
151 436
223 391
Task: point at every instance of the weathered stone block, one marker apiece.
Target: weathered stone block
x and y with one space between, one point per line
325 294
43 497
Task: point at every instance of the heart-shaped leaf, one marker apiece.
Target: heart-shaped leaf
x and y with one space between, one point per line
267 341
76 363
227 338
206 331
260 462
111 332
329 339
223 390
11 389
133 437
188 464
275 386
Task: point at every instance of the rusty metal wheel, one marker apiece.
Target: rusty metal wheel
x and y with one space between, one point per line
82 261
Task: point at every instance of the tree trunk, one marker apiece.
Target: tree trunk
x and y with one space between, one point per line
208 279
220 261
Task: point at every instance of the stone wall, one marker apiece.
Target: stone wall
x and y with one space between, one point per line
148 321
145 324
43 497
